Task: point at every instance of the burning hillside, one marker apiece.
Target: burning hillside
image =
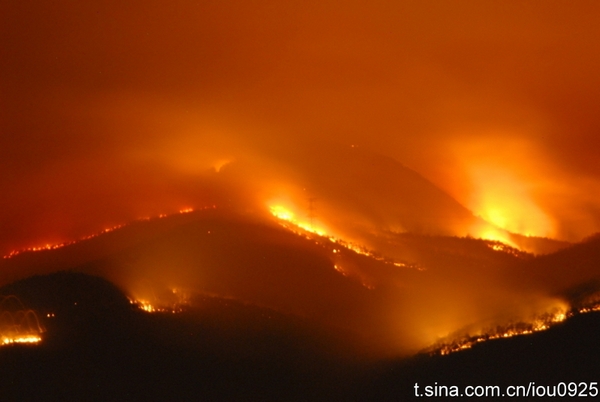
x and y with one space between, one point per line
407 294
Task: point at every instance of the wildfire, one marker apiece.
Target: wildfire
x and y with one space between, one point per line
18 324
181 298
589 309
504 248
285 214
493 234
502 169
335 245
145 305
5 340
504 198
539 324
148 307
104 231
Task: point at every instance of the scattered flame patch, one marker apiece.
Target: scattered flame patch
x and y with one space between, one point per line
148 307
177 304
505 248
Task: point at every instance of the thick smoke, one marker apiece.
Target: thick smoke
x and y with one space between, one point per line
109 112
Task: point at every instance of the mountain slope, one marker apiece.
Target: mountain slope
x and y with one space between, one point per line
357 193
566 353
102 348
98 346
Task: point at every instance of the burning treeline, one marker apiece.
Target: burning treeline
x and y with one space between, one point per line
400 295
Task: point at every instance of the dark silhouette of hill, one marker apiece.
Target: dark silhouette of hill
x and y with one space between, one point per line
572 273
269 317
247 258
537 245
568 352
103 348
251 259
64 291
28 263
98 346
67 302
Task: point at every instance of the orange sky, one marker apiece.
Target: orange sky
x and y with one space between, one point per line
109 111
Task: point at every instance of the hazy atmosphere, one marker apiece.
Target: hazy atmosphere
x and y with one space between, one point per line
110 112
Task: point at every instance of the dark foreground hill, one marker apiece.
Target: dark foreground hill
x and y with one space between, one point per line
99 346
276 315
567 353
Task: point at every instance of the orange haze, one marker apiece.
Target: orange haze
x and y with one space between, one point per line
109 111
374 120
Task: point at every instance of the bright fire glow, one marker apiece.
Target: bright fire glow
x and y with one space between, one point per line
181 299
20 339
507 177
504 196
498 246
286 214
494 235
280 212
505 200
335 245
148 307
540 323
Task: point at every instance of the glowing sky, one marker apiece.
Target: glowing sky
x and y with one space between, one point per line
110 111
